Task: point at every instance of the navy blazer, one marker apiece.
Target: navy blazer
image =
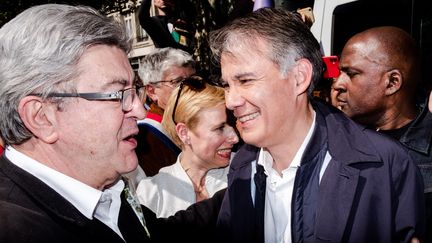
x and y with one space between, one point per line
31 211
371 190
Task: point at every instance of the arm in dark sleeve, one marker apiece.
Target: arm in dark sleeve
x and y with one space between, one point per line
155 27
195 224
144 11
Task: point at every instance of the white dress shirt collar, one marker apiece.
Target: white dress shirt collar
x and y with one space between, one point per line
279 190
83 197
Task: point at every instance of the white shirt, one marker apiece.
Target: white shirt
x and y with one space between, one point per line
172 190
103 205
279 190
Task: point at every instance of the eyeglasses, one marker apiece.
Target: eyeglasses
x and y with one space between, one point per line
173 82
126 96
195 83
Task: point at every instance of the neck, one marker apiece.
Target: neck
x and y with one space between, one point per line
397 117
192 167
284 152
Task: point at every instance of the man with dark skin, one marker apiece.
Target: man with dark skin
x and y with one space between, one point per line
380 71
379 75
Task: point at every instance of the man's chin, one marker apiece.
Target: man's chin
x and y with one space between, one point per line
130 164
251 138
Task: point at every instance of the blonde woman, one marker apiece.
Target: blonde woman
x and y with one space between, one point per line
196 119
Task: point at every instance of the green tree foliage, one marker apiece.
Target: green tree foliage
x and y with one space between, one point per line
211 15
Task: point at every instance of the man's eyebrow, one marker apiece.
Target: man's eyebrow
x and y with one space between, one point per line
238 76
115 82
343 68
242 75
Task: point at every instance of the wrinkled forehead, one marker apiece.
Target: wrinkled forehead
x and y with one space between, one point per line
104 66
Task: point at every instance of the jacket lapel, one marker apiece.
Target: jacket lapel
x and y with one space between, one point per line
129 225
336 198
49 199
245 220
341 180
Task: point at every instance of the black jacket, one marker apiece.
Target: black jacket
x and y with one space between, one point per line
30 211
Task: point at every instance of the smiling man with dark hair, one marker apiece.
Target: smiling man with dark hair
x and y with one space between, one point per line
307 173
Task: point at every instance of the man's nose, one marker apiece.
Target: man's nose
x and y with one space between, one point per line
339 82
138 110
233 98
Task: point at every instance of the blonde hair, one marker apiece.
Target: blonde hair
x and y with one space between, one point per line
190 103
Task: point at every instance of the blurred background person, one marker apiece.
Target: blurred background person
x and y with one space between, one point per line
160 72
196 119
172 26
377 87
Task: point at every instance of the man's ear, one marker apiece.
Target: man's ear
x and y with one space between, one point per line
183 133
151 92
39 118
303 75
394 81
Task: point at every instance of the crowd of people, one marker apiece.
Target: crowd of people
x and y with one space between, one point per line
254 158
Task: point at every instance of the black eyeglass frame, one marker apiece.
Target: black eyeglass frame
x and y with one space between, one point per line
117 95
194 82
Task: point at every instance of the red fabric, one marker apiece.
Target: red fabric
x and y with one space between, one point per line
1 149
154 116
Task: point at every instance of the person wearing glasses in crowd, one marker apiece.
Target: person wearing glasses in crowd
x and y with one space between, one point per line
69 117
196 119
307 173
160 71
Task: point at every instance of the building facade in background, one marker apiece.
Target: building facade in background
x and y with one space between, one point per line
141 41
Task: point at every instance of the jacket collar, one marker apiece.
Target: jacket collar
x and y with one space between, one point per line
43 194
244 156
345 135
418 137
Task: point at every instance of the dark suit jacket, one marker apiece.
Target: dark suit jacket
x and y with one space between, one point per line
30 211
371 190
